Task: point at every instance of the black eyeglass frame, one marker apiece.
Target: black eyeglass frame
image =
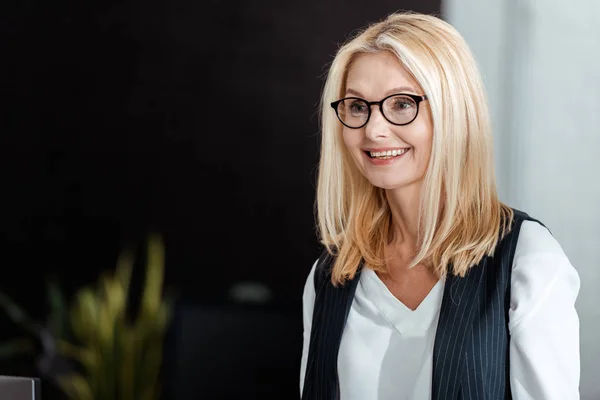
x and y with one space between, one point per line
417 99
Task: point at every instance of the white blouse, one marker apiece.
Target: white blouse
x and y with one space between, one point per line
387 349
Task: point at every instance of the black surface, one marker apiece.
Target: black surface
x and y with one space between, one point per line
233 353
195 119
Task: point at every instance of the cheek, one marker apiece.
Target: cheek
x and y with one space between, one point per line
426 143
351 139
425 157
352 143
428 135
423 139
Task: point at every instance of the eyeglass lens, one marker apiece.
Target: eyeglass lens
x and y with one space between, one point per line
354 112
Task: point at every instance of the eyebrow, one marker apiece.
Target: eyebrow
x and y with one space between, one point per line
399 89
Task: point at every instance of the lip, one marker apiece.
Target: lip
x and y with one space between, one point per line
377 149
376 161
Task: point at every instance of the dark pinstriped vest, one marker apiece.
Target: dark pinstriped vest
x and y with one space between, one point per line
470 355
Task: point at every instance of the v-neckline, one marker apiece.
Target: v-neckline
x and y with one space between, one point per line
407 322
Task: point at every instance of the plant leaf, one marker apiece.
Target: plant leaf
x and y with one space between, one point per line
58 309
84 316
75 387
124 268
80 354
16 347
18 315
154 276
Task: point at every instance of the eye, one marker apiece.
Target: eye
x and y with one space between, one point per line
402 103
358 106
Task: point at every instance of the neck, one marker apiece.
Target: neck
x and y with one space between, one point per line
404 205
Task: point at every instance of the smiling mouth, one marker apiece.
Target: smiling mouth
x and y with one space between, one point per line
385 155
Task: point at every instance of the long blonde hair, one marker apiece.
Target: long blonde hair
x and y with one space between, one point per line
461 217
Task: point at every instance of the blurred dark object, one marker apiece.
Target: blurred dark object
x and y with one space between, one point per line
19 388
235 352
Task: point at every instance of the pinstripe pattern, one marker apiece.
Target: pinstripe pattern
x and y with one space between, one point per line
331 309
456 317
472 340
470 357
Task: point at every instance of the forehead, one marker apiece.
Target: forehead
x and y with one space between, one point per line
378 74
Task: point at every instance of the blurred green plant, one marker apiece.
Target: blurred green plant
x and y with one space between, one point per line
92 349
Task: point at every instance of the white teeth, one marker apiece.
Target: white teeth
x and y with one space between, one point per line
388 153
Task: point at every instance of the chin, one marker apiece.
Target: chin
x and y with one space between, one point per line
387 185
394 183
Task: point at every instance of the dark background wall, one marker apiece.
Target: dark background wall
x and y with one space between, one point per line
197 120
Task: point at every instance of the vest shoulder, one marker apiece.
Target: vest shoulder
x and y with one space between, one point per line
323 268
519 217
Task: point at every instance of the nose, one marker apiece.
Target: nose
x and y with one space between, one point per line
378 127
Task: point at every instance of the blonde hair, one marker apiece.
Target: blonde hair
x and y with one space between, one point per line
461 218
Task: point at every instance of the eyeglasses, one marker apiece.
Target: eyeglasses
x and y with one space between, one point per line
399 109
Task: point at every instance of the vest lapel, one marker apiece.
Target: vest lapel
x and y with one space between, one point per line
459 307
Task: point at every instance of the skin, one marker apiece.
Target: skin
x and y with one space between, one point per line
373 77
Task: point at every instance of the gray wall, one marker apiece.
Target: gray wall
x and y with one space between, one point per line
540 62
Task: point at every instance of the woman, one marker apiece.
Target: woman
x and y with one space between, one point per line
430 287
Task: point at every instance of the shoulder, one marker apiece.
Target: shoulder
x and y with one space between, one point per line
311 275
319 274
536 239
308 295
540 269
321 269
